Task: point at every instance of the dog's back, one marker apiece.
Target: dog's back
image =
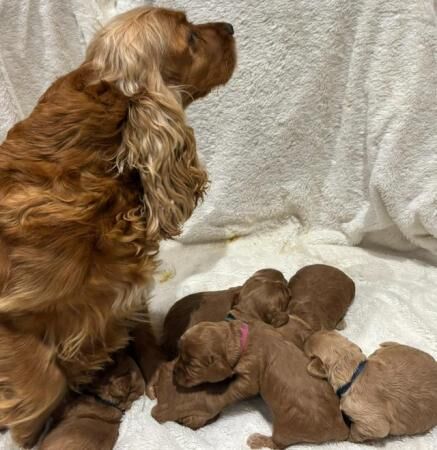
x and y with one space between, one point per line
305 408
199 307
401 383
321 295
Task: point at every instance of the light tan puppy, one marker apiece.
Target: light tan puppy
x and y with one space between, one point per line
258 360
393 392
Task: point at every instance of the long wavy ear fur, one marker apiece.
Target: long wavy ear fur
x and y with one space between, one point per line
156 140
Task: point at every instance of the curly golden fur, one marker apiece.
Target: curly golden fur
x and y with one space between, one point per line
102 170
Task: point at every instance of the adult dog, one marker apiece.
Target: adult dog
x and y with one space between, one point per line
102 170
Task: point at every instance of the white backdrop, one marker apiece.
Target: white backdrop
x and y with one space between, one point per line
326 135
328 124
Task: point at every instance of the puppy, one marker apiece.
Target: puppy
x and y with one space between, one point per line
193 407
264 296
296 330
91 421
393 392
202 306
321 296
258 360
103 169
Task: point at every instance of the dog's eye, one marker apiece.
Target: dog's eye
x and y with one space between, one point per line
192 38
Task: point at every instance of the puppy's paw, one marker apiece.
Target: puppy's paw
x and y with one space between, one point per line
261 441
196 422
158 413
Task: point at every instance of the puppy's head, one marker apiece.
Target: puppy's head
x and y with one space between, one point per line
330 351
208 352
265 296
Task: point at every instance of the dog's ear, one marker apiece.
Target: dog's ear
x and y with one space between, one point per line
157 141
231 344
235 293
316 368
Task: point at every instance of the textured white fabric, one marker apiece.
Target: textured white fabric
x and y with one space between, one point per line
329 122
395 301
327 131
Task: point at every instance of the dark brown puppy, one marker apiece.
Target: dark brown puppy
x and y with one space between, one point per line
321 296
211 306
260 361
91 422
264 296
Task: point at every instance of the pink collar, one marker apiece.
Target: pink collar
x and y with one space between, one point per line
244 335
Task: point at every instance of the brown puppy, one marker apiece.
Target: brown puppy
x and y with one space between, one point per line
91 422
296 331
101 171
264 296
193 407
202 306
394 392
260 361
321 296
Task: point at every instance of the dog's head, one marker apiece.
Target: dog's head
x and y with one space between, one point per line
208 352
147 49
331 352
265 296
161 62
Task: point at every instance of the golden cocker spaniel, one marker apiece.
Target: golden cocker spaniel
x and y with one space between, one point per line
103 169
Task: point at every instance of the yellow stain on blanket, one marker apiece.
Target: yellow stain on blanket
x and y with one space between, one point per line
166 275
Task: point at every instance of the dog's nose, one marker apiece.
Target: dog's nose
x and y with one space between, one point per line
229 28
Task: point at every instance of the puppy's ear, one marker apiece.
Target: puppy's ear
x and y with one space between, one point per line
277 319
317 369
231 344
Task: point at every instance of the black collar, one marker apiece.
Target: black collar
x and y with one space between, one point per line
230 317
343 389
104 401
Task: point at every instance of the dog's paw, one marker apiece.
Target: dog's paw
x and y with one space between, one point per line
260 441
158 413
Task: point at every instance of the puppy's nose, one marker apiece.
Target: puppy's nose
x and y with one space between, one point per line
228 28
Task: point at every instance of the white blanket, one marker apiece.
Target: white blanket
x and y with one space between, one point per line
327 133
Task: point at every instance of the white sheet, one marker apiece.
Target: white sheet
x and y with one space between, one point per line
395 301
